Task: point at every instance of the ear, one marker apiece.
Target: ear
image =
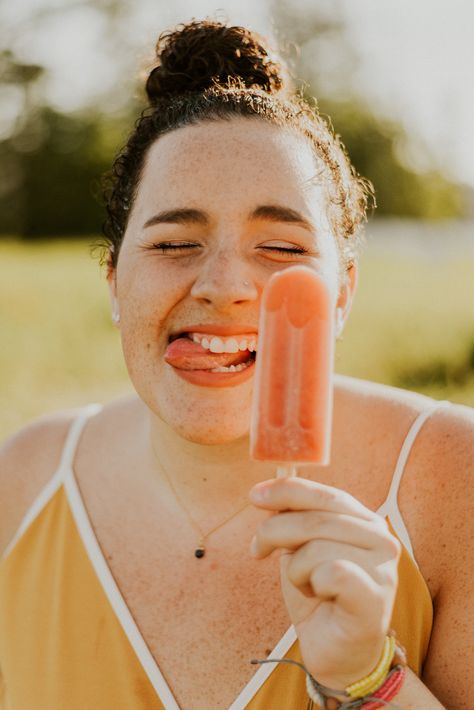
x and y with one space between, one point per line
346 297
112 284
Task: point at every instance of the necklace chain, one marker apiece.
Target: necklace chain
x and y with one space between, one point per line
200 550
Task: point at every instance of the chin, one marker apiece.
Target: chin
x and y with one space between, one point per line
198 414
210 435
205 416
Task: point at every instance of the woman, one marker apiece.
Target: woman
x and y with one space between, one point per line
225 180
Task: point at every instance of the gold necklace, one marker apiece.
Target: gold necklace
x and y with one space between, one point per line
200 550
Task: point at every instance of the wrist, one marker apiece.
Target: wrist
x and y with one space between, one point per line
328 699
357 667
381 684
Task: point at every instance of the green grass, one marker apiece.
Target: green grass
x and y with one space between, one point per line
411 326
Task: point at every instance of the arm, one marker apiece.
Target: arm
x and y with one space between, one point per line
359 593
415 695
449 496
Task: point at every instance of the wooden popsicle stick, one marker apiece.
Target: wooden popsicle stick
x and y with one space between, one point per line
286 471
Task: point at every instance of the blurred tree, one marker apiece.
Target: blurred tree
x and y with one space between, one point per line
51 162
14 72
322 56
59 159
372 145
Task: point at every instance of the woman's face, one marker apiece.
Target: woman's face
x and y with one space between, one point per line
220 207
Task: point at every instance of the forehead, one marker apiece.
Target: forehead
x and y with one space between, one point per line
230 161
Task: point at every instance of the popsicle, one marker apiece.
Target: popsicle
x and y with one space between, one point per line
292 401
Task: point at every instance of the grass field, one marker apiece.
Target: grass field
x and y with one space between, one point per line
412 326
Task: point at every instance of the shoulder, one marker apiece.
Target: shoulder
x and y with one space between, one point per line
436 497
443 455
28 459
437 484
445 459
436 490
447 431
379 404
446 455
450 434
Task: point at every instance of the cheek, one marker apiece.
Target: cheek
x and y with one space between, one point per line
147 293
143 313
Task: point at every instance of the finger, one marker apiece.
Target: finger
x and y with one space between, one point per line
354 591
376 563
302 494
290 530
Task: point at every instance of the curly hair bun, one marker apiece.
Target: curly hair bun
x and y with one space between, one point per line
201 54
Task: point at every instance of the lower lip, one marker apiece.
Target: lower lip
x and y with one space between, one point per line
205 378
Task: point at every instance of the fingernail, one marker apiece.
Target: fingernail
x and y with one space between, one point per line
259 493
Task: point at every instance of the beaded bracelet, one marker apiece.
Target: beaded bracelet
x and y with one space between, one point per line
387 691
374 680
373 691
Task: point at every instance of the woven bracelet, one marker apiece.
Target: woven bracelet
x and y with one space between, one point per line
320 693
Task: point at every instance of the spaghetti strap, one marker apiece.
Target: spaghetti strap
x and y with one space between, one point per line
390 506
57 479
407 447
75 431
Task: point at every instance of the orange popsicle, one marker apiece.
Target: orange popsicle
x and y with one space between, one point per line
292 401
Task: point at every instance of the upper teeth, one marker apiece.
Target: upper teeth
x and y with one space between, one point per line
231 344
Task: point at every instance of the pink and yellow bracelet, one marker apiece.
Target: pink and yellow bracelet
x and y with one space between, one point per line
374 680
373 691
382 684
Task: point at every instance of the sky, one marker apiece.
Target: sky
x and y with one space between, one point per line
416 58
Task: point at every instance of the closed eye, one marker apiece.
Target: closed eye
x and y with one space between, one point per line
285 250
168 247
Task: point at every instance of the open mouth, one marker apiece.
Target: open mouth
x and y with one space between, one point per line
212 353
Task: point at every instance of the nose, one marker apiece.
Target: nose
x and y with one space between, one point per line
224 280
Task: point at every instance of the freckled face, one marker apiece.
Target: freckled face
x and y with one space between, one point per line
199 247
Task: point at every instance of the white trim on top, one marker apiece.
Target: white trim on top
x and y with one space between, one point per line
50 488
390 508
126 620
392 512
423 416
40 502
65 475
113 594
265 670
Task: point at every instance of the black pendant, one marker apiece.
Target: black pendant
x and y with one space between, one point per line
199 552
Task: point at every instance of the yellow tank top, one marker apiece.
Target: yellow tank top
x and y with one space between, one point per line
69 642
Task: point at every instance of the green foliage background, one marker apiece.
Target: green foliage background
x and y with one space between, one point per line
52 161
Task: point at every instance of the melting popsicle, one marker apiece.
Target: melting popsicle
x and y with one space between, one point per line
292 404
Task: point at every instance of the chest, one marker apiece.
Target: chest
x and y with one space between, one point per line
202 619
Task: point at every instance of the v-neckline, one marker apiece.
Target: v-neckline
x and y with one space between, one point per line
125 618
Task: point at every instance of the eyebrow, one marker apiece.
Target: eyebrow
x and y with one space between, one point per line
271 213
278 213
178 216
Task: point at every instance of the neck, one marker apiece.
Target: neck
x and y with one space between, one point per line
213 481
207 478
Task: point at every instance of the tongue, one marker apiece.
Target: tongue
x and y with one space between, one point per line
184 354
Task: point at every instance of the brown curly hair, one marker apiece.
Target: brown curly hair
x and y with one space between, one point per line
208 71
